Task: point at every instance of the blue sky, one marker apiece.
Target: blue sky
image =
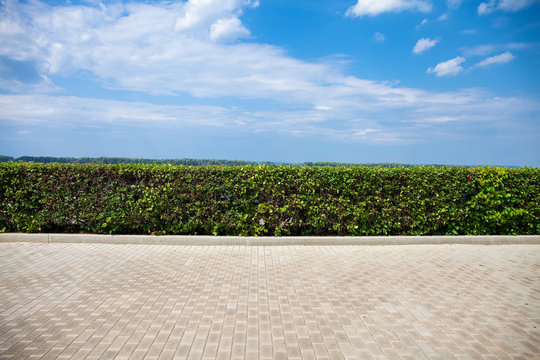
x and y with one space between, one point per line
411 81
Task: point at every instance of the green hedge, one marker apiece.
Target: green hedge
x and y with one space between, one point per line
263 200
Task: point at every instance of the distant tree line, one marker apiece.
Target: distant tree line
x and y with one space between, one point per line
189 162
121 160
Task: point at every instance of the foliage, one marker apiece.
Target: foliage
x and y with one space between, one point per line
268 200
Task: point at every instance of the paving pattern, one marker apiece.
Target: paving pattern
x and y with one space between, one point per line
97 301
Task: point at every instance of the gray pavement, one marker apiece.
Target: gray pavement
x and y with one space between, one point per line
105 301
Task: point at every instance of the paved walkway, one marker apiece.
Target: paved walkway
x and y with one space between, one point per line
102 301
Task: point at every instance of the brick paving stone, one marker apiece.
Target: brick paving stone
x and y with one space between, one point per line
102 301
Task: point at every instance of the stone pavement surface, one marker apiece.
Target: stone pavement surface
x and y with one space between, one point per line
102 301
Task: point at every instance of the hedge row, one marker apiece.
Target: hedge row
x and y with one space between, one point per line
263 200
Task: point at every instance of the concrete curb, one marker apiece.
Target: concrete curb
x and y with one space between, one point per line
267 241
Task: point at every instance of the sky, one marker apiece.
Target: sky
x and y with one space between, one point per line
407 81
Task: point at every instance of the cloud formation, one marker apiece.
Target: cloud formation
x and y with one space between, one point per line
497 59
196 48
376 7
424 44
228 30
162 48
200 15
159 48
424 22
34 113
486 49
454 4
448 68
379 37
504 5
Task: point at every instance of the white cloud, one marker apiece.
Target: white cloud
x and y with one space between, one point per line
365 132
486 8
135 47
156 48
441 119
378 37
479 50
342 122
323 107
447 68
424 44
35 111
424 22
376 7
486 49
453 66
201 14
497 59
228 30
443 17
504 5
454 4
42 86
515 5
62 110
